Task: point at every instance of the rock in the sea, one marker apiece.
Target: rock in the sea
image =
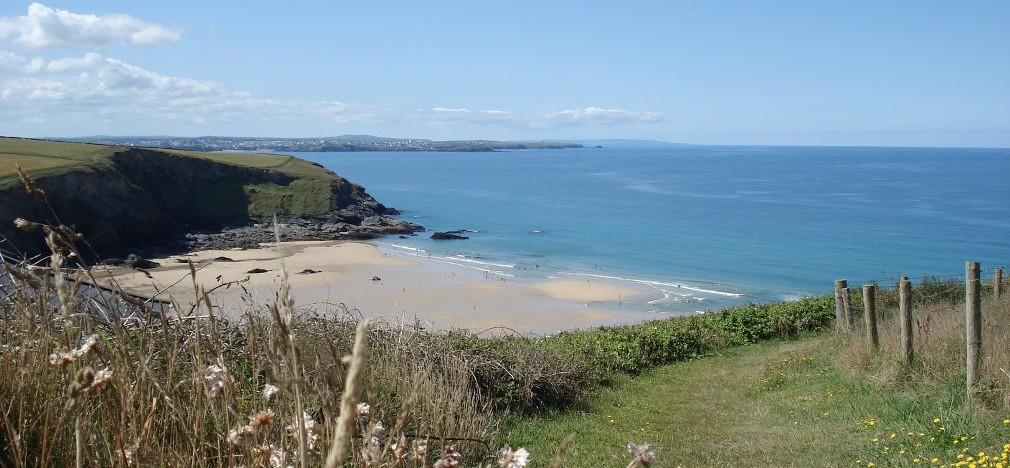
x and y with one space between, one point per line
223 259
257 270
138 262
308 271
449 235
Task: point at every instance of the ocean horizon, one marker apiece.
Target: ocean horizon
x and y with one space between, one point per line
705 227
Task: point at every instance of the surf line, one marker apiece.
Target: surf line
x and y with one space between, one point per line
658 283
471 267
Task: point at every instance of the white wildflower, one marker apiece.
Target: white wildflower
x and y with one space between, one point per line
272 454
399 447
241 436
61 359
86 346
363 409
270 392
25 225
312 431
513 459
215 378
419 448
66 357
450 458
102 379
640 454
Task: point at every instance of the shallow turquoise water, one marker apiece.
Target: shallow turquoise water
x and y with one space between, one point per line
758 223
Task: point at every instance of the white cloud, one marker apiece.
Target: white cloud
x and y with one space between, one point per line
44 26
451 110
566 118
87 60
92 85
16 64
107 95
597 115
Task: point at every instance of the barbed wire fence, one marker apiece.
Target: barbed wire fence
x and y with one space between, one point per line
857 311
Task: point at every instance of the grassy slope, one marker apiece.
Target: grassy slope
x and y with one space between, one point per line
42 154
771 404
309 195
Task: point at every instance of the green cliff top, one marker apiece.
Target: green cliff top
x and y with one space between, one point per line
44 157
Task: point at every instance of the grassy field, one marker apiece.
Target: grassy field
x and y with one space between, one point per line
773 404
818 401
37 156
314 191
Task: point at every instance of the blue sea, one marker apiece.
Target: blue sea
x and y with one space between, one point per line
707 226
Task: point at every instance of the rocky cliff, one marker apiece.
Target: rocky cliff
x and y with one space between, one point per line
128 199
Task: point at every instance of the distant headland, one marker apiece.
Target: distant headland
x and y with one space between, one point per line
321 144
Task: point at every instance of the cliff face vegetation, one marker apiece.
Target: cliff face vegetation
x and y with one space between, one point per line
126 198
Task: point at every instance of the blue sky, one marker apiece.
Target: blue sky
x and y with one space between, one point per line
912 73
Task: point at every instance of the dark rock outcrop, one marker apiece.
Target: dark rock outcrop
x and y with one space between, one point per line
449 235
138 262
156 202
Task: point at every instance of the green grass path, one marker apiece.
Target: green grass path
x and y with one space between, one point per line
772 404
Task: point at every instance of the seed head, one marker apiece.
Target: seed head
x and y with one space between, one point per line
640 454
25 225
261 418
241 436
513 459
270 392
215 378
102 379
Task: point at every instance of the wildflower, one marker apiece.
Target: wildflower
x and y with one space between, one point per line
363 409
419 449
311 431
25 225
270 392
271 454
261 418
102 379
241 436
64 358
399 447
450 458
509 459
640 454
61 359
215 378
372 441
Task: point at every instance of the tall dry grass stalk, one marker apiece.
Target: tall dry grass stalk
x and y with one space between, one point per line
939 347
348 400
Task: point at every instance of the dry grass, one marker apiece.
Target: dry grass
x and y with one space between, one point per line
939 344
189 390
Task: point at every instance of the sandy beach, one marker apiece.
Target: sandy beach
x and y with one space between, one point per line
384 284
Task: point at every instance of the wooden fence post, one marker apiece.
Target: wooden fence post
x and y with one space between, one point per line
841 314
870 315
973 323
847 308
905 318
997 283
